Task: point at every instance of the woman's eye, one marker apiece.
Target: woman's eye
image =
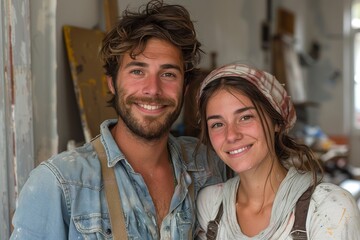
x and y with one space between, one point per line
216 125
247 117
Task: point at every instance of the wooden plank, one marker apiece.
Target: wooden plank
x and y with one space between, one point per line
88 76
285 22
111 13
278 61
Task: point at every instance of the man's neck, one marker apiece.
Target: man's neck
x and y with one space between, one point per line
139 152
152 160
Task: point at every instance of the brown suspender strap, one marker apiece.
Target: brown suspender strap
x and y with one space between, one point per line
298 232
116 214
213 225
191 189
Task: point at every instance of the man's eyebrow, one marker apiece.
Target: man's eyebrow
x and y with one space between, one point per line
240 110
171 66
142 64
136 63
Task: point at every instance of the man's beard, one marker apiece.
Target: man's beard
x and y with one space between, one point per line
151 128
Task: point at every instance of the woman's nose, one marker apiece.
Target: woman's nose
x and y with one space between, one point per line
233 133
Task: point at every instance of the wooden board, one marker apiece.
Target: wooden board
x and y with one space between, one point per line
88 76
285 22
111 13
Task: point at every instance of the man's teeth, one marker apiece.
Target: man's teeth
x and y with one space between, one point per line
149 107
239 150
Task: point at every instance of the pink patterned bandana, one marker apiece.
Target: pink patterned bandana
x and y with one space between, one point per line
265 82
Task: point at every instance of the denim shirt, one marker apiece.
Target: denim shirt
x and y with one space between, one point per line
64 196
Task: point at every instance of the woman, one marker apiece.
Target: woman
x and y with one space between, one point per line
245 116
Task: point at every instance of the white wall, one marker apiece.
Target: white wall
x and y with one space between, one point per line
325 23
229 27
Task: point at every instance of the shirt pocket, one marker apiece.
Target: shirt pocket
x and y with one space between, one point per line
93 226
184 225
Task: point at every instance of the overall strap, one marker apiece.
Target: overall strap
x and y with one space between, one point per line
298 232
191 189
213 225
117 218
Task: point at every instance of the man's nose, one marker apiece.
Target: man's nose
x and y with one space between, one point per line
152 85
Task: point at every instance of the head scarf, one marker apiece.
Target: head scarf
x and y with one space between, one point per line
266 83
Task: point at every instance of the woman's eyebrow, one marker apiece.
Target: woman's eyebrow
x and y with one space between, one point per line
240 110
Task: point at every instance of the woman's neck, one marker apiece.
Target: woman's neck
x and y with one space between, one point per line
255 198
259 187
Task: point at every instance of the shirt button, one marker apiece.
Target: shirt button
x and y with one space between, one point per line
167 228
108 231
188 179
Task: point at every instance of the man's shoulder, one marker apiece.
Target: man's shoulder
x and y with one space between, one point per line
77 166
193 145
201 162
192 152
187 141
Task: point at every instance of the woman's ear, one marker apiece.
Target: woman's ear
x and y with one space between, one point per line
110 84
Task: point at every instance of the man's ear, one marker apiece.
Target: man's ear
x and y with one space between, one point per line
110 84
277 127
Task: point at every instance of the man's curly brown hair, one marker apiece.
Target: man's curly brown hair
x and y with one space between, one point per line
155 19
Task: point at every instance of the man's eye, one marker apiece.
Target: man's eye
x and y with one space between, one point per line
168 74
136 72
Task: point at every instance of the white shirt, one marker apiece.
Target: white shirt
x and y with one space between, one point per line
332 214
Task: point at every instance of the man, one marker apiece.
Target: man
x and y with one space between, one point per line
149 57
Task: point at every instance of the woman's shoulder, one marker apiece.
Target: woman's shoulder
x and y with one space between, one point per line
331 195
211 193
210 197
333 213
325 190
332 200
208 203
216 190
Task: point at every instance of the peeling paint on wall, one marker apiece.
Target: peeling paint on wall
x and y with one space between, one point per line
15 107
